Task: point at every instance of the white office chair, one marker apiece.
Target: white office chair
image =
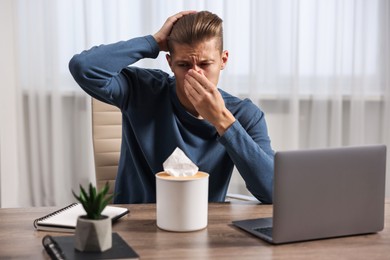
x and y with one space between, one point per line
107 136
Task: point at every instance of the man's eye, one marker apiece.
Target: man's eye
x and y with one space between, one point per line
183 65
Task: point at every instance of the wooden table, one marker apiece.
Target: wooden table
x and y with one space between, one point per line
220 240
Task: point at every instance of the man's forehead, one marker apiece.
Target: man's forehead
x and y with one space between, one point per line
206 50
191 58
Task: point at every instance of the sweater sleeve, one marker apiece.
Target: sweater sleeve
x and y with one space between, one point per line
98 70
250 150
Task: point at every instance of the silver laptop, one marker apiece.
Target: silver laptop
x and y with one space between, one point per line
324 193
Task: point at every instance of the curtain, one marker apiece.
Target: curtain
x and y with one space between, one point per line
319 69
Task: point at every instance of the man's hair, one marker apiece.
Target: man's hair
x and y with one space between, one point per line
195 28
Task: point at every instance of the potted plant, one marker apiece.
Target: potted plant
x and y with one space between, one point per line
93 230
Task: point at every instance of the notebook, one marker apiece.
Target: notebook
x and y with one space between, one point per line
63 248
324 193
65 219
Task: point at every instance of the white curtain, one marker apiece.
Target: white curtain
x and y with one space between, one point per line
319 69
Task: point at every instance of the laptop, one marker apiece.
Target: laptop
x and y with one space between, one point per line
324 193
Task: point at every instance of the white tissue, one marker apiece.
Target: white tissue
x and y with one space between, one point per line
178 164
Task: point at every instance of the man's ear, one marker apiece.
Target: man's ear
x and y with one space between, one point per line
224 57
169 59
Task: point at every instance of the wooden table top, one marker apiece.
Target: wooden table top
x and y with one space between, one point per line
220 240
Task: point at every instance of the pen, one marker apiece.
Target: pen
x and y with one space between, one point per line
52 248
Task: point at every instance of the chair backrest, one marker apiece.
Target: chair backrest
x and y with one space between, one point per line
107 136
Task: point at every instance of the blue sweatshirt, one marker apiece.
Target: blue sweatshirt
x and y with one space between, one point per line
155 123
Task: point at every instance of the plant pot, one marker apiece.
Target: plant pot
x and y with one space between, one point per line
93 235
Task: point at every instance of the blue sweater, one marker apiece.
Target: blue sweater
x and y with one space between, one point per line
155 123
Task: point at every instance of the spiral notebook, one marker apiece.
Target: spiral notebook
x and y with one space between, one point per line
65 219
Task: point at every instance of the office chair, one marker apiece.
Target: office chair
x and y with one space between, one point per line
107 136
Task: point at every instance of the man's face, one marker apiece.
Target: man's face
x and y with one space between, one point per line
204 57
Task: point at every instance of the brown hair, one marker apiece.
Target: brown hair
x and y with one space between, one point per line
195 28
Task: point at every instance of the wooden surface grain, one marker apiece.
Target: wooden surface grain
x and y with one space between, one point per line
220 240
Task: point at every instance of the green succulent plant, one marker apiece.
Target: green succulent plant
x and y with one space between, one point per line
94 201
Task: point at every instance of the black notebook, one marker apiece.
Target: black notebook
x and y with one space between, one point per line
65 219
119 250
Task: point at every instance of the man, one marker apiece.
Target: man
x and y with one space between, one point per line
159 112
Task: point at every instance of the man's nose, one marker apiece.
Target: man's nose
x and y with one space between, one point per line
196 68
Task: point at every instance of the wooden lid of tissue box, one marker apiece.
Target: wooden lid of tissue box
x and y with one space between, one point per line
165 175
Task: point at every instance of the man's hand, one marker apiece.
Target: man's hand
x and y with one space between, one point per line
207 101
162 35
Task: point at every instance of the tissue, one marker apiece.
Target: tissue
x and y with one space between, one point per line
179 165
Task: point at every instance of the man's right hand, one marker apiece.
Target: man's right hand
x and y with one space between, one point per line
162 35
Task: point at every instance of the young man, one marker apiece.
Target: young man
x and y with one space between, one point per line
159 112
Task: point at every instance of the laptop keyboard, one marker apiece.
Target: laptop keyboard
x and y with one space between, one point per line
266 231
